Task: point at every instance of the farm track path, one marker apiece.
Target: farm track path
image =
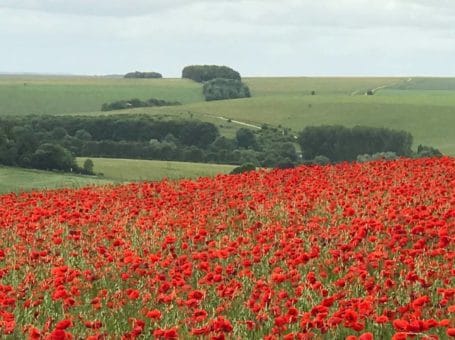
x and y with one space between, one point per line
239 122
382 86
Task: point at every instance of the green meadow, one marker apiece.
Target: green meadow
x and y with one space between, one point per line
18 180
21 95
423 106
145 170
113 171
287 102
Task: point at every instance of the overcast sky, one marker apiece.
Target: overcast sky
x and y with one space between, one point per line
263 37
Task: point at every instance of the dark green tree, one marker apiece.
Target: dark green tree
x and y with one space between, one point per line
201 73
220 88
53 157
247 167
245 138
138 74
88 166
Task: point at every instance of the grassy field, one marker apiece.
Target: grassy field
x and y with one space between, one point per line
17 180
298 86
423 106
137 170
22 95
114 171
428 114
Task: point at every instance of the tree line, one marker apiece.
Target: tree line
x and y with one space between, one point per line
29 141
336 143
53 142
148 75
135 102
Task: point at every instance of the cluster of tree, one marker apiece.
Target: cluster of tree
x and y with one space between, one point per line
138 74
221 88
220 82
20 146
335 143
202 73
52 142
133 103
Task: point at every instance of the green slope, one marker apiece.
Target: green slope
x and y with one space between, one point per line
423 106
134 170
62 95
17 179
429 117
114 171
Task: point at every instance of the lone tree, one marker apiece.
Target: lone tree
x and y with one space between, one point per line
88 166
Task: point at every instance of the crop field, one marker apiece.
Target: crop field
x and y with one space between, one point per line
113 170
17 180
355 251
21 95
145 170
424 107
298 86
430 119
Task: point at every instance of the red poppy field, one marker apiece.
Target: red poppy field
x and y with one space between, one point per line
357 251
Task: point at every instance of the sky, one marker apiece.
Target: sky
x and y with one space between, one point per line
255 37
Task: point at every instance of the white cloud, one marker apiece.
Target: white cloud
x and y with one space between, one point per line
118 8
258 36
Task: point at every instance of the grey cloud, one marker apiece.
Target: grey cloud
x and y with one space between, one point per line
117 8
269 37
345 12
295 14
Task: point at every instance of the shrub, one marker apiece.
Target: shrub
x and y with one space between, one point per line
321 160
243 168
220 88
285 165
88 166
134 103
427 151
380 155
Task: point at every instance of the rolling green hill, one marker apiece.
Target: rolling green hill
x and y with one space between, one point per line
428 114
423 106
292 86
144 170
17 180
114 171
20 95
